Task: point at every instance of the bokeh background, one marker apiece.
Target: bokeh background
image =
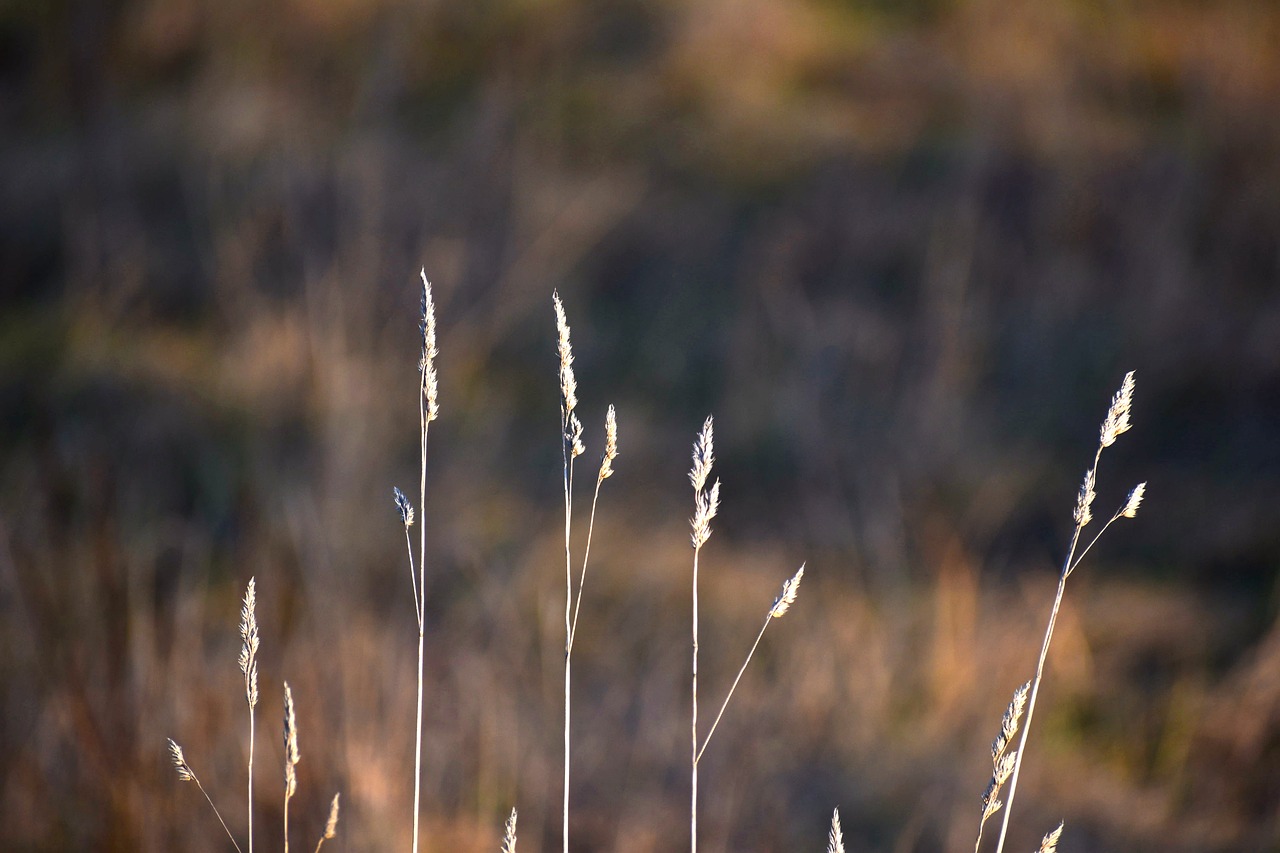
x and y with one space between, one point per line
903 251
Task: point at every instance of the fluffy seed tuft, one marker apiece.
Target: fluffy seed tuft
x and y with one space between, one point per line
291 756
1117 421
1134 500
509 834
610 443
249 650
835 840
788 596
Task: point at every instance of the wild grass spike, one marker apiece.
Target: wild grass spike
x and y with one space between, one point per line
835 840
509 835
1115 424
331 825
1001 759
291 758
249 668
1049 844
186 774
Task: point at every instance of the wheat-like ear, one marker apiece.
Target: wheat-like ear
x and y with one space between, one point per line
509 835
1115 424
1001 759
331 826
249 668
1049 844
835 840
186 774
291 758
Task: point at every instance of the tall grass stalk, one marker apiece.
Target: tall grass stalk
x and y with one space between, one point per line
249 668
1115 424
571 447
706 503
428 410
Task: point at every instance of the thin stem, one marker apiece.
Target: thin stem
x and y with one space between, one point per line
763 628
1085 552
250 779
591 527
413 577
569 617
693 770
230 837
1068 565
286 823
1035 683
420 601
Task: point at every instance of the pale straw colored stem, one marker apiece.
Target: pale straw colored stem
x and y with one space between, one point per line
697 757
428 410
250 779
185 773
413 577
693 770
1035 688
591 527
569 618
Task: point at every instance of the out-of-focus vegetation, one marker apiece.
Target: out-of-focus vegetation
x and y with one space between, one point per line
903 251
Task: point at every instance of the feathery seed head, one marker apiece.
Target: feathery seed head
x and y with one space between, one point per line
180 763
573 435
1132 502
1083 513
568 384
291 756
1117 421
249 651
1009 723
835 841
331 825
706 504
426 364
610 444
1049 844
403 505
703 455
788 597
509 835
990 804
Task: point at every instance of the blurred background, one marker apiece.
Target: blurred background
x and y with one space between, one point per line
903 251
